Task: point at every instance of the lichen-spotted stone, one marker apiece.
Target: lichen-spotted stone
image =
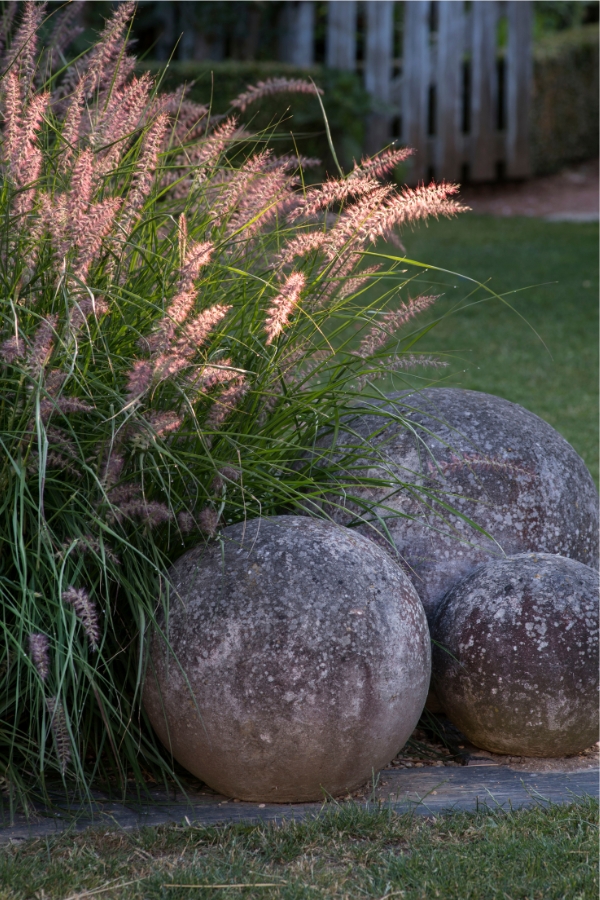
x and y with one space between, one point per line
477 459
299 663
515 658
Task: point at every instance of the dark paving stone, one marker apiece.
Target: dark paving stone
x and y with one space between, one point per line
468 787
426 791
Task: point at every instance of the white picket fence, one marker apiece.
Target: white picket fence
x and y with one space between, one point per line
456 96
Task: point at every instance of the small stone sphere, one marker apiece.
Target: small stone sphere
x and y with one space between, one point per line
519 672
300 660
494 462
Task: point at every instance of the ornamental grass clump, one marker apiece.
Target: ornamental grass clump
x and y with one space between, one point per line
173 336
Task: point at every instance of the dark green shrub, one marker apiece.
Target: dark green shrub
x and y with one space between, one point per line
564 115
346 102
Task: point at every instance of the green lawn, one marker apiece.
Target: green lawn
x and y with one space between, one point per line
496 351
532 854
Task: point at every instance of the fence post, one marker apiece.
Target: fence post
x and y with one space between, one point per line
188 31
341 34
450 45
298 24
415 83
165 14
378 69
519 64
484 94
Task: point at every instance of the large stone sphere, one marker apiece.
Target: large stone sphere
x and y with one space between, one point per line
495 463
519 672
300 660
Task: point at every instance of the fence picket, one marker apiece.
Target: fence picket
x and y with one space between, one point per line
450 40
301 33
484 91
341 34
519 78
187 42
378 69
415 88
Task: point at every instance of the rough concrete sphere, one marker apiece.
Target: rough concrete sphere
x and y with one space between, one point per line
307 653
498 464
522 677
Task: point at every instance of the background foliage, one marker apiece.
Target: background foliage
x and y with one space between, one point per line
347 104
240 42
564 112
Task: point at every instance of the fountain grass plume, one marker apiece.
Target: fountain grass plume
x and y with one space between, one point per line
173 337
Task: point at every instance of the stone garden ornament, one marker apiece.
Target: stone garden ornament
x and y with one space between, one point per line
515 655
299 660
485 465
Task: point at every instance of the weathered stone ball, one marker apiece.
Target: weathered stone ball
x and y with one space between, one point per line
494 462
519 672
300 660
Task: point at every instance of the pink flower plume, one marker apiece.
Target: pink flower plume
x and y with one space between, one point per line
197 256
12 349
60 732
82 183
283 305
108 52
85 610
72 124
43 344
40 654
334 191
381 165
164 422
208 521
379 335
213 376
213 146
95 227
302 245
23 50
62 405
273 86
13 108
225 404
197 331
139 378
143 178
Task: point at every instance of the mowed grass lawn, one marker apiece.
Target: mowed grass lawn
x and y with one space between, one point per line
347 854
491 348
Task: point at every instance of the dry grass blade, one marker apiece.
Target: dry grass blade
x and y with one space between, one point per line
106 887
248 884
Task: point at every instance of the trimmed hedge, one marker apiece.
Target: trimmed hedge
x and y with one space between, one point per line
564 114
346 103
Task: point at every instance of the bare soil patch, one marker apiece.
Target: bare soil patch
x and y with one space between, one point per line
567 196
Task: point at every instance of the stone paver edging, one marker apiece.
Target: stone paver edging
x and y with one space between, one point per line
427 791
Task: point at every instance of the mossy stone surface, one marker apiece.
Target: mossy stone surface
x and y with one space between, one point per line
519 670
482 464
302 661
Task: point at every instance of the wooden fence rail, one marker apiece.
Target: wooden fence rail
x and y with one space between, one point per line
460 96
